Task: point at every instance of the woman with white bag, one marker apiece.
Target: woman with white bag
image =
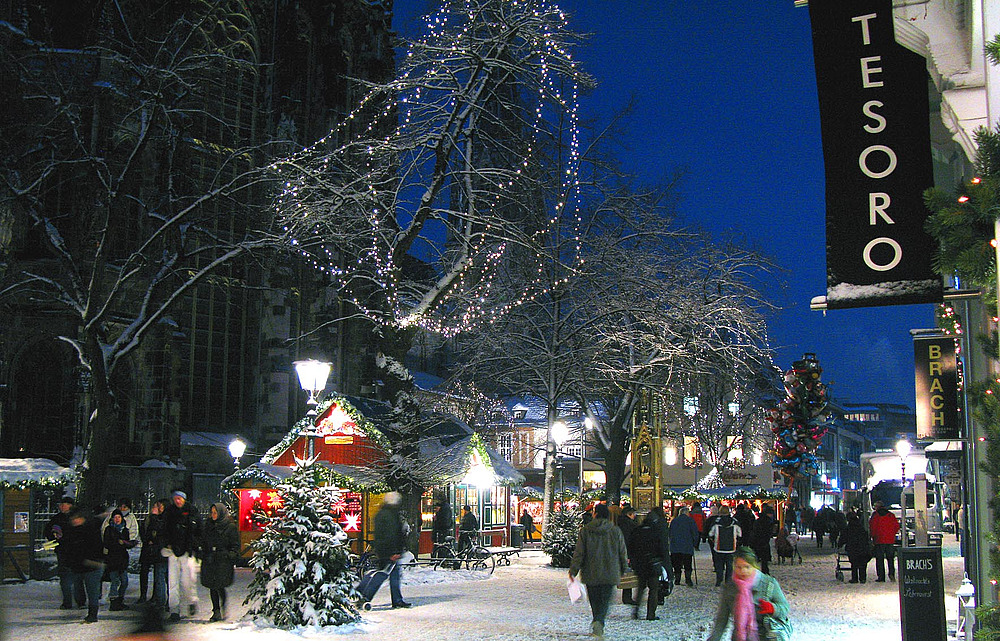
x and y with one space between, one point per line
600 559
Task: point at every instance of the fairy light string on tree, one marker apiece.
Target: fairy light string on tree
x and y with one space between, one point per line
800 421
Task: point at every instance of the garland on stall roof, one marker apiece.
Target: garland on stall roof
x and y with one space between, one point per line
47 482
255 476
306 422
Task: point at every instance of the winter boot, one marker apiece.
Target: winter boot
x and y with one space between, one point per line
216 616
117 604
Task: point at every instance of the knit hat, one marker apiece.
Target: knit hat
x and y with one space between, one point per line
181 494
67 499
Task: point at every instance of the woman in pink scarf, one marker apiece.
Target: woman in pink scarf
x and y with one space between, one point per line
755 603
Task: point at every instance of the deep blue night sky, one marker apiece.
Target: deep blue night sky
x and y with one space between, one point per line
727 92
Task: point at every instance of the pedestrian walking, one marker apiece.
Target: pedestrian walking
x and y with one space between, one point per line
117 541
723 537
745 519
220 549
389 545
755 603
819 525
85 556
684 540
600 559
760 538
528 523
883 526
124 506
443 523
649 549
70 582
858 546
151 556
182 535
468 528
626 523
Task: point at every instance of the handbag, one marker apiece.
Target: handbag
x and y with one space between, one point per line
576 589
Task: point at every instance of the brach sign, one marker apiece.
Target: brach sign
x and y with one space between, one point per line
874 113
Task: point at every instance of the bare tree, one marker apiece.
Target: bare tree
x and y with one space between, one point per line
413 216
128 176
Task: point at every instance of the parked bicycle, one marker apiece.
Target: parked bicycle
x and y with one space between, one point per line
472 556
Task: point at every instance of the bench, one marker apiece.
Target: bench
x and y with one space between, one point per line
503 554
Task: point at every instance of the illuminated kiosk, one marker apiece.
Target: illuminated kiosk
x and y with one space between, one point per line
353 453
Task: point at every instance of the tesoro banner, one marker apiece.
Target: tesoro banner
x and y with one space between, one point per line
874 115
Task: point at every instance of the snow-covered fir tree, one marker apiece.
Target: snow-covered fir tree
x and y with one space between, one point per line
302 570
560 537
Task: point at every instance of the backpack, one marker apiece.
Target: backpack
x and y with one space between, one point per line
725 538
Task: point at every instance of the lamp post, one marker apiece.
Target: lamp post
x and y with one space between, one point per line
562 487
236 450
560 432
312 377
903 448
588 424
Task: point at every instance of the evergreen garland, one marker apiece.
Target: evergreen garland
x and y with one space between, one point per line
561 534
963 226
302 572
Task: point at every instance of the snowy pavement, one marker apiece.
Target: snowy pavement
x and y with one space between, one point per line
526 600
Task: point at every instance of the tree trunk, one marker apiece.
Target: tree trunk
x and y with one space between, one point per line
101 446
397 389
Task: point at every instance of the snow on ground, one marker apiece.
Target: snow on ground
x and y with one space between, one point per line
525 601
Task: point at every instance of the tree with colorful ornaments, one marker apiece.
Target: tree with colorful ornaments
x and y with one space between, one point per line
801 420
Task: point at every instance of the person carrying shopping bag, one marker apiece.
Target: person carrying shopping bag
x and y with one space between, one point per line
600 559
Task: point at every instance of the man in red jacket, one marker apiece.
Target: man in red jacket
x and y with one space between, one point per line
883 527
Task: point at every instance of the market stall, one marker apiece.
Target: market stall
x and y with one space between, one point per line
19 480
353 454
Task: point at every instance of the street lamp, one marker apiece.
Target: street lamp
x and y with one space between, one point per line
236 450
903 448
312 377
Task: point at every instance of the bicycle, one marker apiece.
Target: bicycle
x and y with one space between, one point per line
474 557
364 562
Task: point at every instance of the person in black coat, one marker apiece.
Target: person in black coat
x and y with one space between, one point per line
760 537
220 549
85 556
70 582
151 555
443 524
649 550
467 528
528 523
626 523
858 546
389 545
117 541
745 519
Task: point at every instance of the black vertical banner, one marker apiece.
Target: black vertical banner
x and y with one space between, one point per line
936 378
875 121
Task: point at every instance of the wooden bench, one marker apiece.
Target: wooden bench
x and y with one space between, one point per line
503 554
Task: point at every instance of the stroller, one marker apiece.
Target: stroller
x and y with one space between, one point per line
370 583
787 546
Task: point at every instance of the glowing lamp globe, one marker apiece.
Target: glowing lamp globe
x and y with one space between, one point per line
237 448
312 377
